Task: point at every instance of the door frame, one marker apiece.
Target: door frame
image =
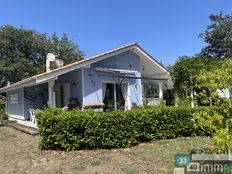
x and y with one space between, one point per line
67 94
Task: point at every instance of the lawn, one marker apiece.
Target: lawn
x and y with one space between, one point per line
19 153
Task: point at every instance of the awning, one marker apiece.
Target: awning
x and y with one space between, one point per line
113 70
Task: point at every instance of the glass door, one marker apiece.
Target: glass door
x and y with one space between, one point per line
114 95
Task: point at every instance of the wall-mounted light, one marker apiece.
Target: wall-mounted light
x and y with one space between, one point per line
93 82
143 68
37 89
73 83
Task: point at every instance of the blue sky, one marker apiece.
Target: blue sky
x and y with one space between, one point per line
166 29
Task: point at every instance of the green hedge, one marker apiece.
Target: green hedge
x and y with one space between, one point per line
3 115
72 130
2 104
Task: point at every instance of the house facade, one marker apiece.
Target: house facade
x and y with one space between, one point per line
120 78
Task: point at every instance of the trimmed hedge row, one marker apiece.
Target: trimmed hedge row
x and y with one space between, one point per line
73 130
2 104
3 115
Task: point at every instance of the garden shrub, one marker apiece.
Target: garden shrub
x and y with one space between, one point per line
3 115
2 104
73 130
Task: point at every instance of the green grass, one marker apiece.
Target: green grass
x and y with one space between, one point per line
20 154
129 170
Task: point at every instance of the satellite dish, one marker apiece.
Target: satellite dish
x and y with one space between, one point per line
51 57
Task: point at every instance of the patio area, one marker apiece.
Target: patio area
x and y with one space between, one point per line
23 126
23 122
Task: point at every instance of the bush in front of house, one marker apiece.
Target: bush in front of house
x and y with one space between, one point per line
74 130
3 115
2 104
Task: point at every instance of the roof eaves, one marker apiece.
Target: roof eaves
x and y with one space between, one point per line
67 66
17 84
88 59
151 57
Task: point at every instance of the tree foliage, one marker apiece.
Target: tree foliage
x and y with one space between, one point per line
185 71
182 72
218 36
210 82
23 52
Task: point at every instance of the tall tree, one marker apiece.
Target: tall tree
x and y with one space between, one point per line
23 52
218 36
64 48
185 71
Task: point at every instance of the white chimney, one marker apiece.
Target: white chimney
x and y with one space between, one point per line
53 62
59 62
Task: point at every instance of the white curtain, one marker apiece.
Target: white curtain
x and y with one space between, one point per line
124 93
103 91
